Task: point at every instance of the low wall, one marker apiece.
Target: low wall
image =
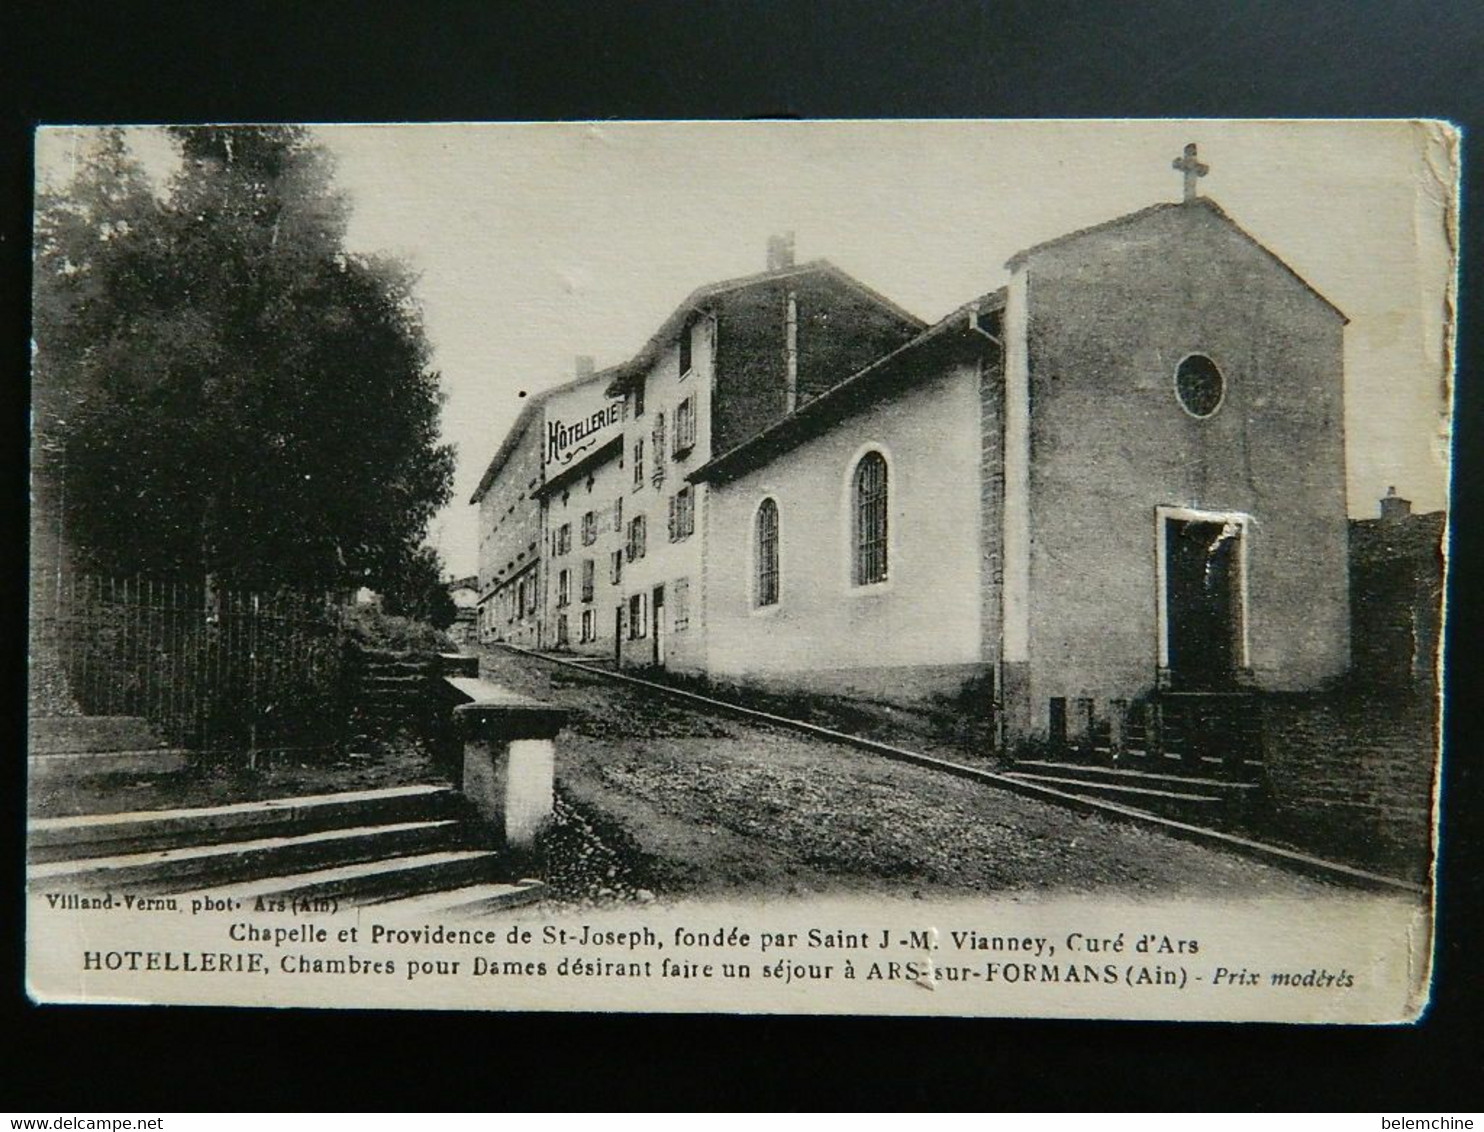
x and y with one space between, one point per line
945 703
1353 771
912 688
507 757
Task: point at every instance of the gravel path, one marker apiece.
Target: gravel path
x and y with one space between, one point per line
686 802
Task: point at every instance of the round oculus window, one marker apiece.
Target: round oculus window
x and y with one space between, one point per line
1199 385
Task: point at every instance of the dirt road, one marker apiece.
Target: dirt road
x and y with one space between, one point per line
710 804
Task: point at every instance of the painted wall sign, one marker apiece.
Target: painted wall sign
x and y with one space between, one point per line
571 437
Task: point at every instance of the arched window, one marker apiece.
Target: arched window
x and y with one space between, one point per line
767 553
869 502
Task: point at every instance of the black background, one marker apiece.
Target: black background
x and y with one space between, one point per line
159 62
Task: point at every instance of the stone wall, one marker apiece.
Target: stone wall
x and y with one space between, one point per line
1396 582
510 539
991 512
840 332
1350 773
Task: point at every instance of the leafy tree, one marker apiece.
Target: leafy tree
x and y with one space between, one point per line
229 393
416 589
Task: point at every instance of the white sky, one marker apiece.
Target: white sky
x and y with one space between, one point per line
536 243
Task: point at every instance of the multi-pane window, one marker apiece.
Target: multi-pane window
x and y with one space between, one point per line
685 426
682 514
636 538
564 587
639 462
685 348
869 499
589 528
618 516
639 399
767 553
563 539
589 568
638 616
680 598
615 567
659 448
589 625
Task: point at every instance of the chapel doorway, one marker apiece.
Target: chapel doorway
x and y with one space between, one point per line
1203 603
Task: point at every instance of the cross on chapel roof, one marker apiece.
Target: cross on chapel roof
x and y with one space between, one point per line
1192 169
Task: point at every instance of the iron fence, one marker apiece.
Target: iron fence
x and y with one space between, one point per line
215 672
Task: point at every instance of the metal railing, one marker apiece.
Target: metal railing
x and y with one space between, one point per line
222 671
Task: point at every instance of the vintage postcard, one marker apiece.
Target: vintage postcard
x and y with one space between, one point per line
952 567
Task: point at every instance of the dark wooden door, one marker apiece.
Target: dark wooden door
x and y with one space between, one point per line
657 607
1203 605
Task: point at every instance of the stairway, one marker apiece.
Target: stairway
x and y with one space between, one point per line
379 846
394 691
1185 797
82 746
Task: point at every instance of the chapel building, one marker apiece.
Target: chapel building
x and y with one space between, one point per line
1112 486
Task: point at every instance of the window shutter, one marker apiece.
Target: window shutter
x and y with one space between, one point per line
672 517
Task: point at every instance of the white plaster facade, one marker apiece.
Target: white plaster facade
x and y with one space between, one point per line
825 631
657 457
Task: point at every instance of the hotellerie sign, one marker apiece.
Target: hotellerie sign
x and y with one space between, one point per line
571 435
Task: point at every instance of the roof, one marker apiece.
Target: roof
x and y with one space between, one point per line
853 394
507 446
696 300
523 422
619 376
1133 218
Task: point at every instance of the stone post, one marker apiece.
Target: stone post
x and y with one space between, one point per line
1117 729
509 758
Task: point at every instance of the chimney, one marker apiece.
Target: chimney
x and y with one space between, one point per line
585 366
780 252
1393 506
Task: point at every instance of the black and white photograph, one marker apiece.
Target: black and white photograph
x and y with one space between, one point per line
813 567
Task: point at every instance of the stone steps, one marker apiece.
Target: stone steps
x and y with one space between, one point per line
382 880
92 764
394 687
1131 774
385 844
137 831
1115 789
1196 798
169 870
87 734
466 902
